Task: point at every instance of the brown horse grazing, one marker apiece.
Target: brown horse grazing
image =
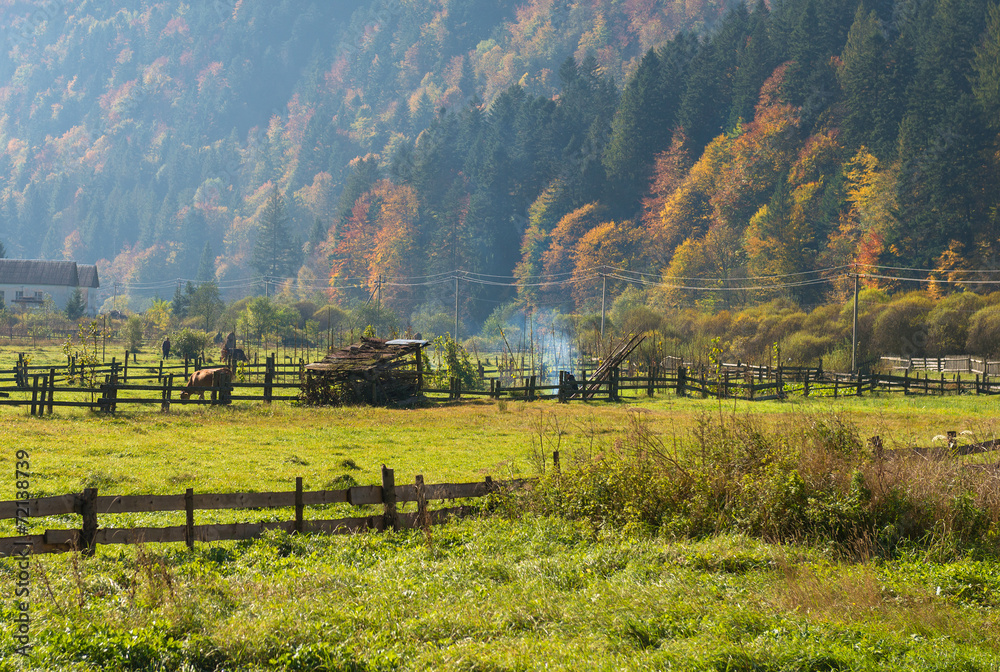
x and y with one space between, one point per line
236 353
202 379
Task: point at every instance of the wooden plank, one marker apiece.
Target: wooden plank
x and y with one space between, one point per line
244 500
314 497
408 493
142 535
13 546
40 507
239 531
139 503
364 494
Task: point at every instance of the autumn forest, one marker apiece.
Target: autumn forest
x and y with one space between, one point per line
702 154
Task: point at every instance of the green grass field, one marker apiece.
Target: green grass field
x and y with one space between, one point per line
527 593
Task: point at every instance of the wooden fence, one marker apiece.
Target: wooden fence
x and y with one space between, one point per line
950 364
89 505
38 387
270 381
733 382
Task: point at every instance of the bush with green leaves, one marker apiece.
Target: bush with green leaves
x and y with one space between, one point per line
188 343
134 333
813 480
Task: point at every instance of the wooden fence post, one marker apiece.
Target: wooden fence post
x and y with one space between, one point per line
423 517
52 389
389 499
88 533
125 373
420 369
298 505
268 379
189 522
34 396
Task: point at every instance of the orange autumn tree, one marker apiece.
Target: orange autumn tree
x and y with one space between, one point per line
377 240
870 219
558 261
608 246
761 156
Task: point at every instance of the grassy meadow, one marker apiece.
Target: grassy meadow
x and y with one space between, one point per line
532 586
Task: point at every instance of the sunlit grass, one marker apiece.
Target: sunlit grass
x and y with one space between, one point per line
494 594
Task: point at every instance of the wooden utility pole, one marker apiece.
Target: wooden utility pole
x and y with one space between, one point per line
854 337
456 309
604 295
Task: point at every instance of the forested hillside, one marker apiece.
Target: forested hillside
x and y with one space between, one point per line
363 145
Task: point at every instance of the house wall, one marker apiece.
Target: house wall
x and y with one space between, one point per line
60 296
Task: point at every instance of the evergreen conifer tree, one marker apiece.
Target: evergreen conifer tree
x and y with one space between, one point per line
206 267
275 253
75 306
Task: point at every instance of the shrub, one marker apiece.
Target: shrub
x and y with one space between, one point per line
900 329
984 332
188 343
806 349
133 333
948 323
813 480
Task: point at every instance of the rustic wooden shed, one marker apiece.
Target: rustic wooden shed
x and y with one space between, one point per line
372 371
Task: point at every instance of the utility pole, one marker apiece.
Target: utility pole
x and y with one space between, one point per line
854 337
456 308
604 295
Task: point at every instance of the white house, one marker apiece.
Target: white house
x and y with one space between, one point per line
24 283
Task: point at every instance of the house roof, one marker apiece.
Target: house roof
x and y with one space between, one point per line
87 275
44 272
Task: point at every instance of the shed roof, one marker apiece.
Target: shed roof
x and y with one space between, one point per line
45 272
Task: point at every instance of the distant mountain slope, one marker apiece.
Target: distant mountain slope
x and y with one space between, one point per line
145 131
540 138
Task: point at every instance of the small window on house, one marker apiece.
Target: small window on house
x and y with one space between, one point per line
19 294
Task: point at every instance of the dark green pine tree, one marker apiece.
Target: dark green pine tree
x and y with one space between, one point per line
986 68
75 305
275 253
364 173
755 63
182 300
708 96
206 267
641 127
946 181
818 32
871 115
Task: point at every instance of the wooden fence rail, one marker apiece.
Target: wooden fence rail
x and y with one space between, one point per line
89 505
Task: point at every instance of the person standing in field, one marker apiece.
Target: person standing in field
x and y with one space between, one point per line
166 348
